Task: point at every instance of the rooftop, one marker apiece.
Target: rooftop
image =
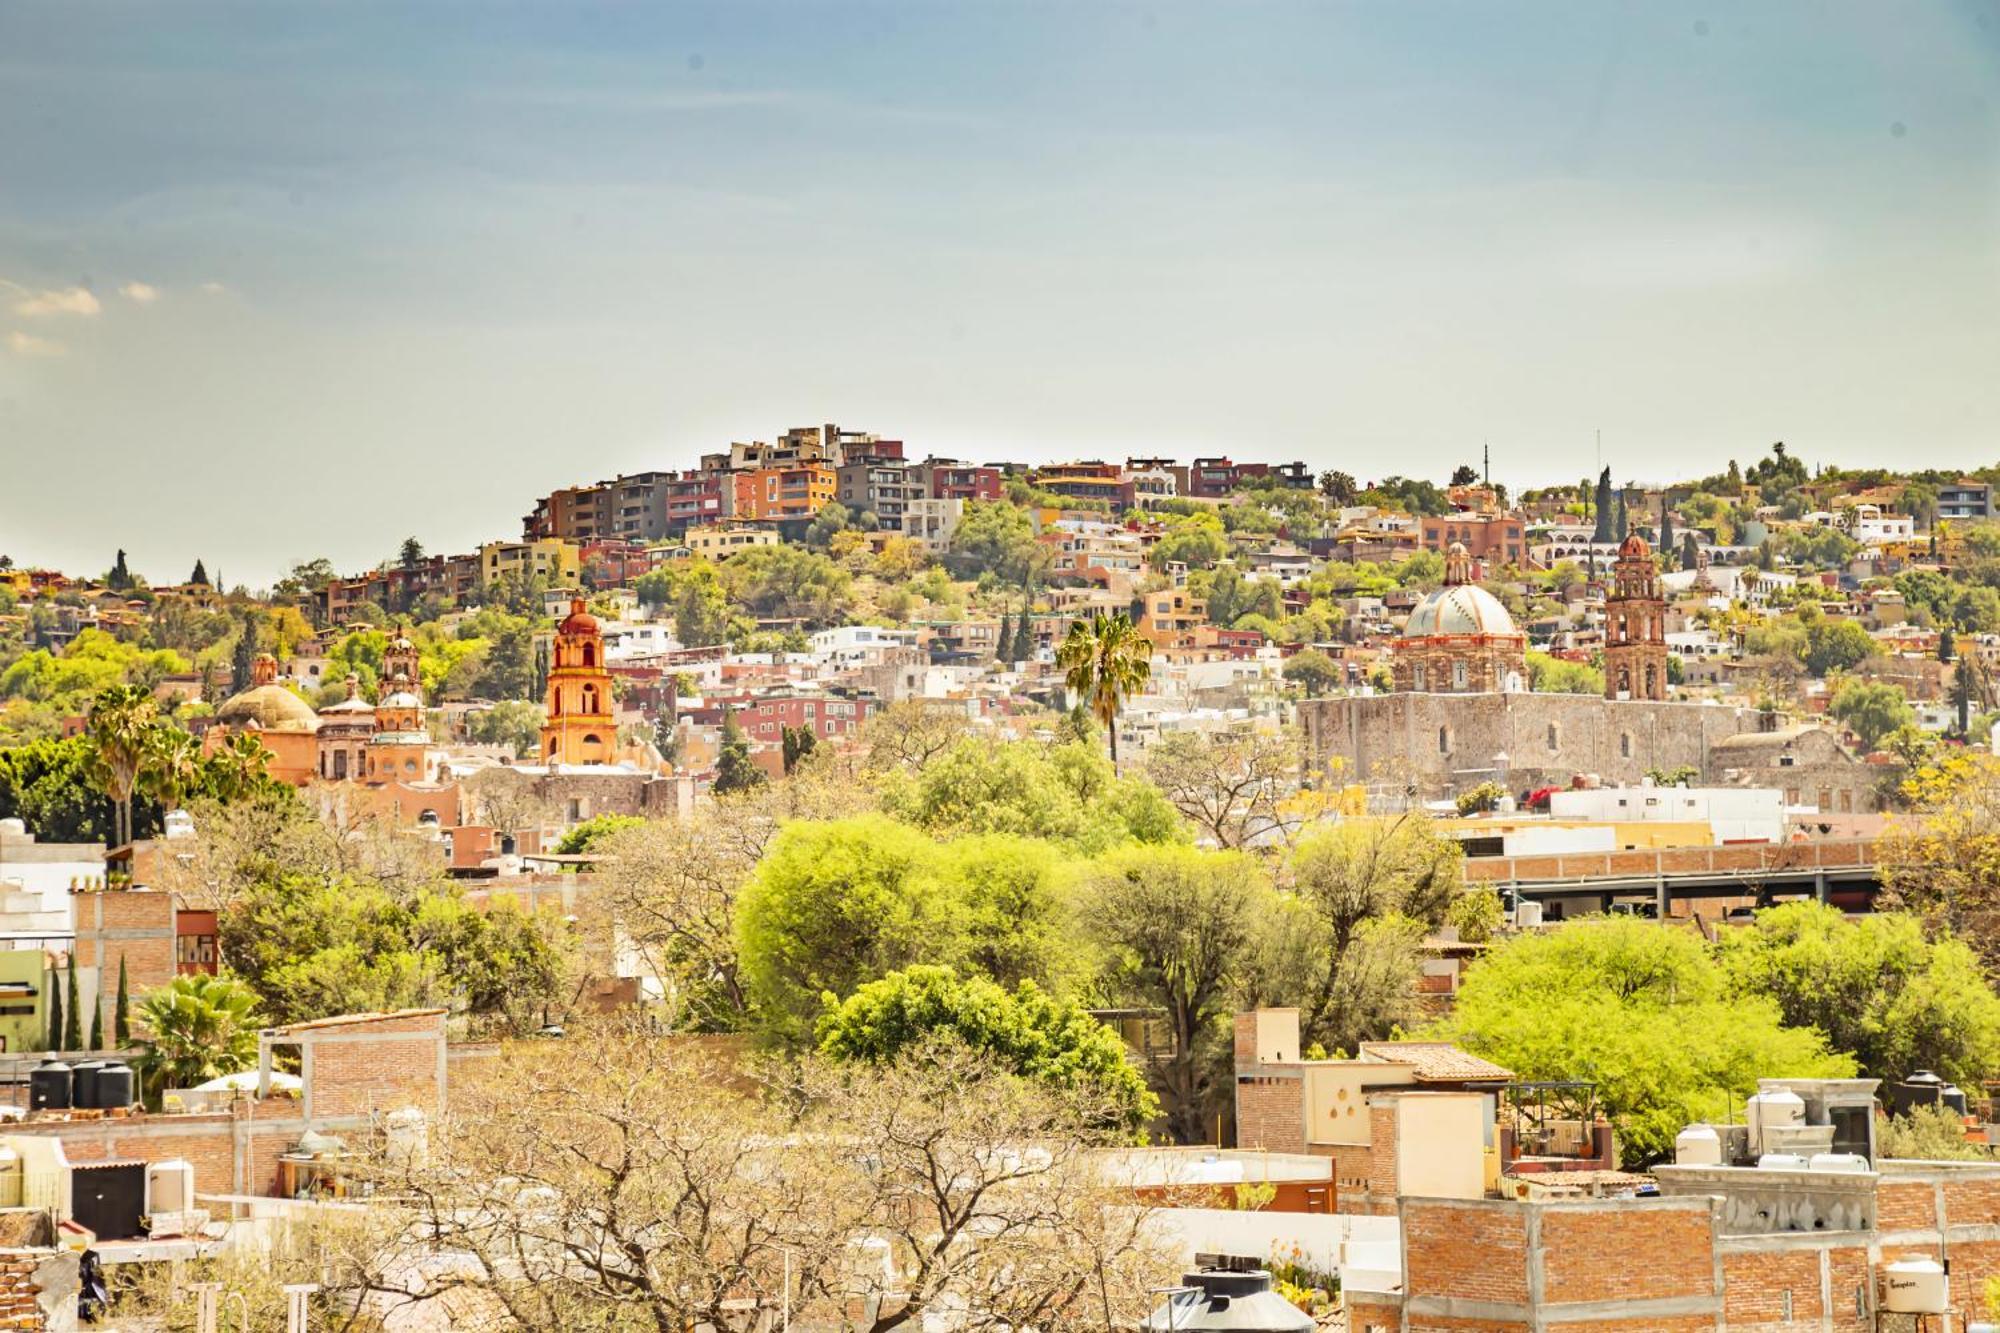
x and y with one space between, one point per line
1436 1061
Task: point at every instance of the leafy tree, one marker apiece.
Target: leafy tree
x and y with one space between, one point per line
832 906
121 1015
509 668
1024 638
995 538
49 786
1338 487
787 582
1178 925
197 1027
1645 1014
593 833
798 744
1929 1134
120 730
171 768
1314 671
1233 786
1871 709
514 723
1464 475
1195 540
735 770
1066 793
1557 675
1370 889
1030 1032
1874 985
1476 914
96 1027
1836 645
411 555
72 1032
120 576
1105 660
1606 520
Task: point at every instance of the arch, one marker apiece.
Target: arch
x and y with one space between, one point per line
590 654
590 699
592 738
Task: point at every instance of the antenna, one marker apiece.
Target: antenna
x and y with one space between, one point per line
1485 463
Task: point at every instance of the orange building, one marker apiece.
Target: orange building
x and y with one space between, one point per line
400 750
580 728
783 492
283 723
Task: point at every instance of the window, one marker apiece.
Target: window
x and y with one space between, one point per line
1459 676
1444 740
1624 745
1555 738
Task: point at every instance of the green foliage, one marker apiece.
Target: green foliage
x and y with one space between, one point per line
1066 793
52 686
1105 661
72 1032
1927 1134
1644 1013
514 723
1481 799
313 947
1556 675
1871 709
49 786
1031 1032
1836 645
55 1034
735 770
581 838
197 1027
1476 914
121 1015
1874 985
995 538
1314 671
1196 541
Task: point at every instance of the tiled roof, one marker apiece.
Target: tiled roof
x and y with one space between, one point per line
1437 1061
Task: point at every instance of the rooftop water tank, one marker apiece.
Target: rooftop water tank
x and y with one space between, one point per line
1837 1161
115 1085
1697 1145
1915 1286
83 1084
1768 1110
1781 1161
49 1086
1227 1300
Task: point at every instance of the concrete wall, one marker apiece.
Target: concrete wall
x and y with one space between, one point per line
1440 1144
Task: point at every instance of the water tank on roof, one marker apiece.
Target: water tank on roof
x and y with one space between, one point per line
1773 1110
49 1086
1227 1300
13 828
116 1086
1837 1161
1781 1161
1697 1145
83 1083
1915 1286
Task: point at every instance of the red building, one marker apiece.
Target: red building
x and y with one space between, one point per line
1491 539
1213 478
765 717
948 479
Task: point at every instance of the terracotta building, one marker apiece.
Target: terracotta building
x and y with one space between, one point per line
1635 620
1460 639
580 728
283 723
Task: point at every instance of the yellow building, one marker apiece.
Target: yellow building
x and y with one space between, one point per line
722 540
551 558
580 728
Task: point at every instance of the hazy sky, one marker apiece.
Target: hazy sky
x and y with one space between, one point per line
287 280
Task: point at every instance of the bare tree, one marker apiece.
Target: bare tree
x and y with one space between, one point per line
1233 786
912 733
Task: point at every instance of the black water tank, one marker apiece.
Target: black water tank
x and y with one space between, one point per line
115 1086
83 1084
48 1086
1230 1297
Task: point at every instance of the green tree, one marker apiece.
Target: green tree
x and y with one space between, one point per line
120 730
171 769
56 1024
514 723
1066 793
798 745
200 575
1836 645
1871 709
120 577
49 785
996 538
1874 985
701 607
509 668
1178 925
411 555
592 832
1314 671
197 1027
1029 1031
72 1032
96 1026
1929 1134
1105 660
735 770
832 906
1645 1014
1196 541
121 1016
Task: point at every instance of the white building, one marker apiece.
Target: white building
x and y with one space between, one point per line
1735 814
930 522
36 879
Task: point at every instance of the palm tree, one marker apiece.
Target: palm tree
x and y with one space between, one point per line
197 1027
120 731
237 768
1105 661
171 767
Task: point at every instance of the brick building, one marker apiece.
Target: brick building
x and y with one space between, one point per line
1498 539
949 479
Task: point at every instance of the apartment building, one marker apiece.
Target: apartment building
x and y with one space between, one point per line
549 558
778 493
881 486
949 479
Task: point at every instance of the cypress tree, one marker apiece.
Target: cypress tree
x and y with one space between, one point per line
55 1012
200 574
1666 542
1003 643
1024 637
73 1020
97 1026
121 1018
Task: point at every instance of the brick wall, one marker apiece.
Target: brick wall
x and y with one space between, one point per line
1627 1253
1906 1206
1382 1180
1270 1113
1465 1251
1756 1286
210 1143
33 1283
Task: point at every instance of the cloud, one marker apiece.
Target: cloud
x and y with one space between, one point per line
27 344
144 293
59 301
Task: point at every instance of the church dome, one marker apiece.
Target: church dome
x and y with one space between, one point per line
1461 610
268 708
1634 548
578 621
402 699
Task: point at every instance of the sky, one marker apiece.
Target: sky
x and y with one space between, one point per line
284 281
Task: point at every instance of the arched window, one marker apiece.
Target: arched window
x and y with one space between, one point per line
1444 740
590 654
591 738
590 698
